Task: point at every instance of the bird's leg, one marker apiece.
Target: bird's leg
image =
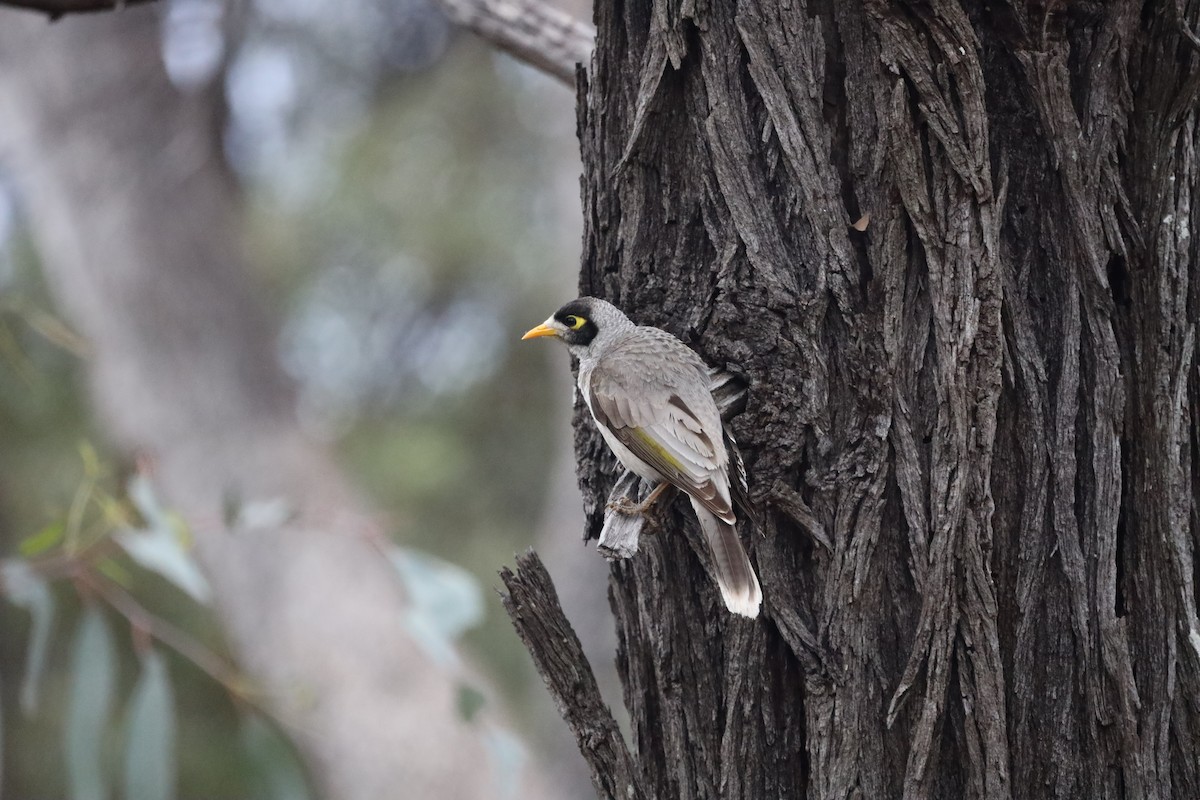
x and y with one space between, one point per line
630 509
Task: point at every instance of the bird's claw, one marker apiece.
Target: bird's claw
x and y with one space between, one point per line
625 507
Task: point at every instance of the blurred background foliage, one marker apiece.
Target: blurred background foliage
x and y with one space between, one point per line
411 202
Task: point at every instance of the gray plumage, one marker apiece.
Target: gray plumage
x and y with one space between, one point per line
648 393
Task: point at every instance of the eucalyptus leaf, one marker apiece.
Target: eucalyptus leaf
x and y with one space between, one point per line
43 540
264 514
162 546
92 466
160 550
150 772
29 591
508 757
470 701
277 772
145 500
89 706
115 571
424 631
445 601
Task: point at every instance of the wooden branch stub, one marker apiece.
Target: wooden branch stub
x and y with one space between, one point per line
532 605
620 534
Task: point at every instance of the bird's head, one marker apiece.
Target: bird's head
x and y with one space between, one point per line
582 323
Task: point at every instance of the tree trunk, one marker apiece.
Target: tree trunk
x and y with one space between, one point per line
135 217
986 402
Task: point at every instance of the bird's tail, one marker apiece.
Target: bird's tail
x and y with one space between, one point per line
735 574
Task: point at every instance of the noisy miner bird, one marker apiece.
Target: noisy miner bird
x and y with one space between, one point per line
648 393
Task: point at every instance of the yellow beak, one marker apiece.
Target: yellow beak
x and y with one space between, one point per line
540 330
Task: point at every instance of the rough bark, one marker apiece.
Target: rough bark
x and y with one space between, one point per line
532 604
135 218
972 427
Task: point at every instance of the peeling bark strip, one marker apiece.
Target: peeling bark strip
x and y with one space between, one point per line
973 428
532 605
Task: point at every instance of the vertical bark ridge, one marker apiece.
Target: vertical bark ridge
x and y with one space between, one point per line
941 169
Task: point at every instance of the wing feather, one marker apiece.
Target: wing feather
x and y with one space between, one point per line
659 426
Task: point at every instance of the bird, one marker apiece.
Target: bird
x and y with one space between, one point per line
649 396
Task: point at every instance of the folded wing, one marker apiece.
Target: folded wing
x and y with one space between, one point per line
671 427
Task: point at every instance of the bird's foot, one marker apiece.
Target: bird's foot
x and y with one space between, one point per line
629 508
650 523
626 507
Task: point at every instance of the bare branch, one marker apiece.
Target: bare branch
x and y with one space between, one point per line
538 34
532 604
531 31
146 621
58 8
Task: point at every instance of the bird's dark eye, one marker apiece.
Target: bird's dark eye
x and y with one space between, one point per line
574 323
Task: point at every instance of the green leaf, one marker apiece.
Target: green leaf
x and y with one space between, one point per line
29 591
162 546
43 540
116 513
150 735
145 499
231 503
470 701
12 353
508 757
92 467
277 771
270 513
93 680
115 571
159 550
444 601
56 331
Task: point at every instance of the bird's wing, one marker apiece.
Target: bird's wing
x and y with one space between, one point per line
667 418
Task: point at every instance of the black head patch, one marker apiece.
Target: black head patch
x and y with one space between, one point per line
577 316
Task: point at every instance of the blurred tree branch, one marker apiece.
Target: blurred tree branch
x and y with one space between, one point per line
58 8
146 623
537 33
534 32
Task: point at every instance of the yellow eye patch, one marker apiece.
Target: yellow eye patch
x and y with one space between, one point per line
575 323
